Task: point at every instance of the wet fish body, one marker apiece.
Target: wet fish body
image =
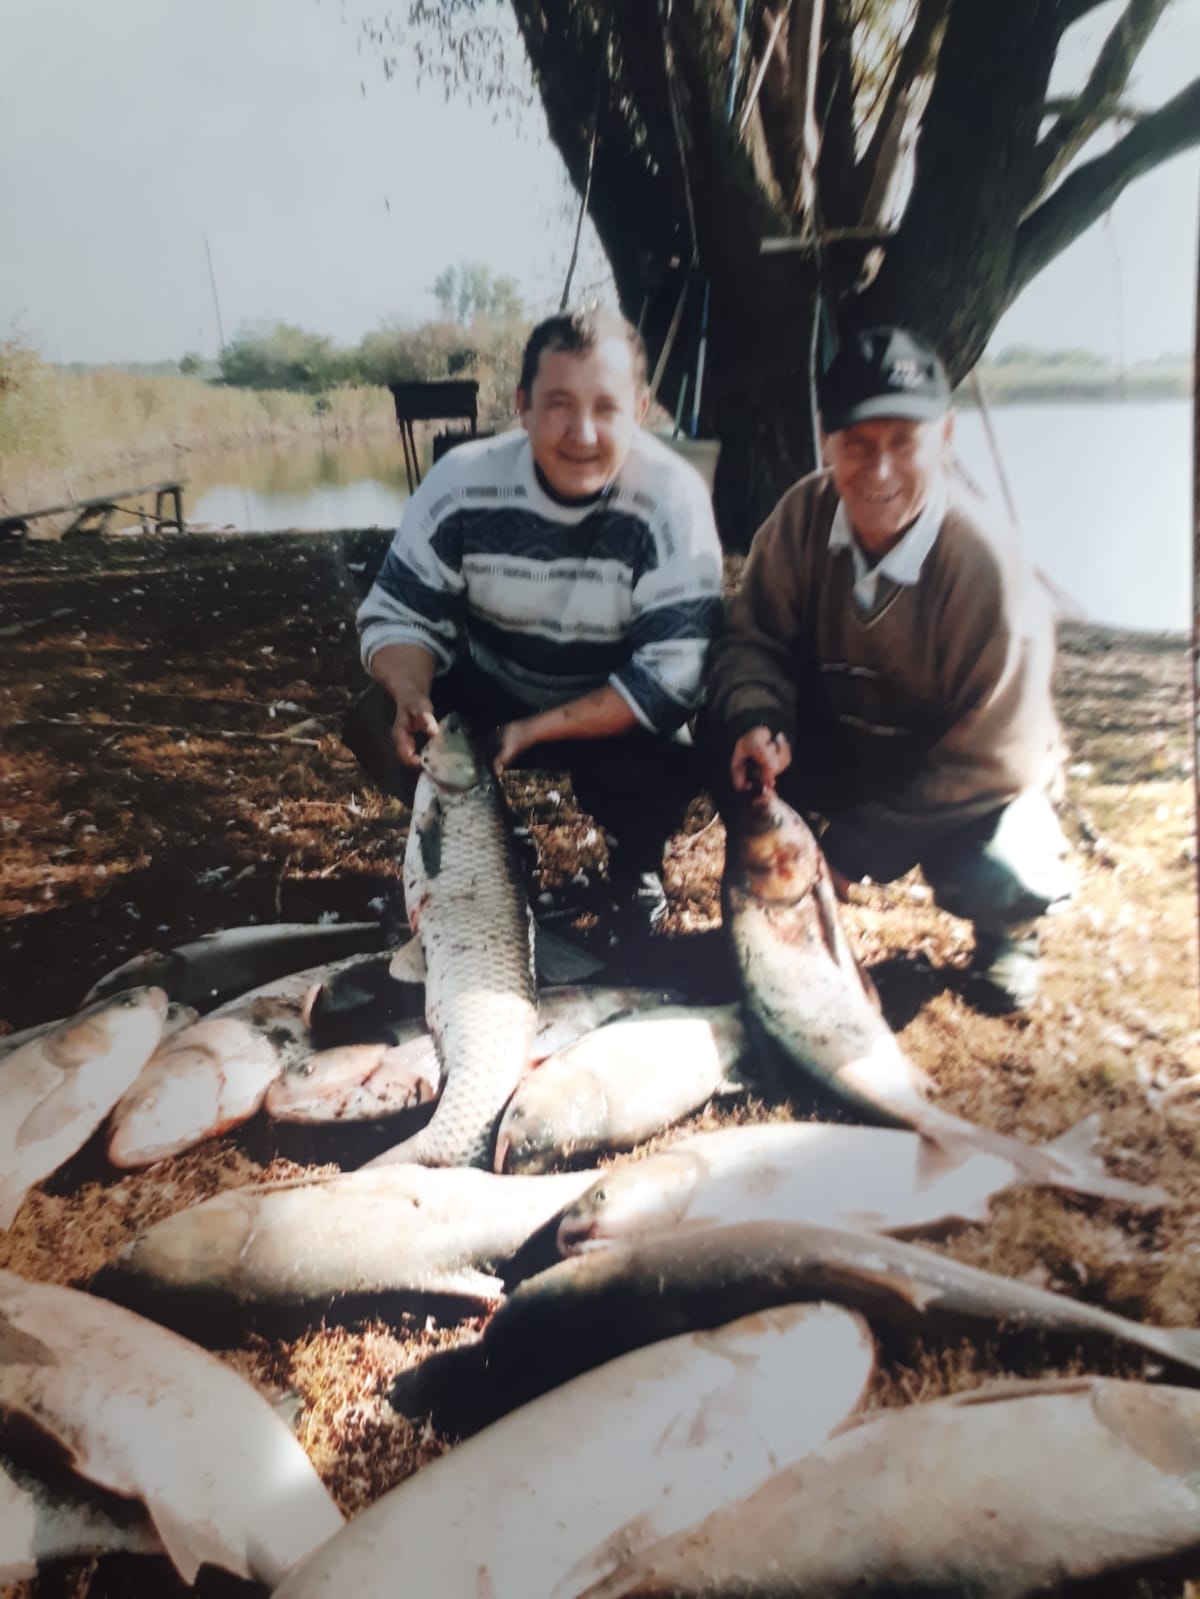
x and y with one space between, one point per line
359 1082
594 1306
56 1089
208 1078
214 968
621 1084
809 995
402 1229
886 1178
48 1515
469 911
698 1420
146 1414
1007 1491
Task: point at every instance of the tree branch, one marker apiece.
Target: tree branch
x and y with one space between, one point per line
878 163
1100 95
1085 194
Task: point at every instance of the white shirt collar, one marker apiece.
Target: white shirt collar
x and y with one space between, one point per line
903 562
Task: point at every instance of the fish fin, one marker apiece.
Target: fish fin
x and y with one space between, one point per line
407 965
187 1547
560 962
937 1157
468 1281
19 1348
1006 1388
58 1110
1084 1170
919 1296
429 839
834 934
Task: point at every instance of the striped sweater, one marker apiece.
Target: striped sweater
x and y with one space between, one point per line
553 600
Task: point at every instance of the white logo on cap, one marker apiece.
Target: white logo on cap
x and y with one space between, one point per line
904 374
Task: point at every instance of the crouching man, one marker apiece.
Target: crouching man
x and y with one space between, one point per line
887 665
560 583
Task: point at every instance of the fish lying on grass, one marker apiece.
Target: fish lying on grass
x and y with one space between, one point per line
365 1082
622 1084
56 1089
178 1016
208 1078
474 932
144 1413
648 1443
597 1305
405 1229
1015 1489
214 968
807 992
300 987
48 1514
884 1178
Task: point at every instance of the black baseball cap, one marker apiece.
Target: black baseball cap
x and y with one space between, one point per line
882 372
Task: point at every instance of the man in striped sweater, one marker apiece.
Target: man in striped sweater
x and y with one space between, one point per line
562 583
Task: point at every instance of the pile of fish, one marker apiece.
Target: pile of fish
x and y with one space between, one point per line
666 1395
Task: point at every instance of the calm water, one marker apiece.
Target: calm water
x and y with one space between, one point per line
1102 493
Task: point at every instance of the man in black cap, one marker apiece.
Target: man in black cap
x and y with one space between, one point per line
887 665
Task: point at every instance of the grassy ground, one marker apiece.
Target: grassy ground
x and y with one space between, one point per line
150 791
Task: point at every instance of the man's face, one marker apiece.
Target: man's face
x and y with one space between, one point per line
581 415
884 471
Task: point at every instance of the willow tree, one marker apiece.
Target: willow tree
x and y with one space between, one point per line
889 160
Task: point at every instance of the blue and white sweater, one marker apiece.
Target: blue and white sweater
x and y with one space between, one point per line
552 600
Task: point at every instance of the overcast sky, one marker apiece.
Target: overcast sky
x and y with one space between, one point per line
332 196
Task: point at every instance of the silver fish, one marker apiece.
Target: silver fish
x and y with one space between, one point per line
206 1079
599 1304
402 1229
884 1178
621 1084
48 1514
216 967
807 991
56 1089
469 911
1011 1490
364 1082
147 1414
654 1439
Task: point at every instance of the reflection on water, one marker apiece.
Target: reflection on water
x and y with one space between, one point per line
340 483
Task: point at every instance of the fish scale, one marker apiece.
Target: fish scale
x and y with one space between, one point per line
468 907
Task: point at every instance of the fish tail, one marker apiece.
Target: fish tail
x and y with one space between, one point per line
1082 1170
1179 1344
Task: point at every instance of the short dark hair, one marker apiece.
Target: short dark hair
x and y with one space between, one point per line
577 332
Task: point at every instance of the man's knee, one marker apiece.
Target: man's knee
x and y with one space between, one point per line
1007 870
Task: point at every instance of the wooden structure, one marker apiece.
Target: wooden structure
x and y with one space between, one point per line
454 400
93 515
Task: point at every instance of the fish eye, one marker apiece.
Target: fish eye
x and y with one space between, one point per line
600 1196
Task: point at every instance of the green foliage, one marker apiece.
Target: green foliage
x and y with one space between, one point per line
469 291
191 363
285 357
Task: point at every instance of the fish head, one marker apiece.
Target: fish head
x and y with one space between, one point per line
643 1196
771 853
131 1019
453 757
166 1110
552 1113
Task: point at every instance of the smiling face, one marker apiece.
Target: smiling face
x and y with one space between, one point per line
884 471
581 413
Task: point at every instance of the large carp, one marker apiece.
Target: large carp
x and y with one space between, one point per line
144 1413
560 1492
808 993
1015 1489
886 1178
597 1305
57 1088
471 919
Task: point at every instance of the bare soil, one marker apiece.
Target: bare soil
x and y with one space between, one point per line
170 765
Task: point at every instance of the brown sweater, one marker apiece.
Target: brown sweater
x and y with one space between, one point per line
934 703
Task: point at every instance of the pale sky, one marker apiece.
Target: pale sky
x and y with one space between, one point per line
333 197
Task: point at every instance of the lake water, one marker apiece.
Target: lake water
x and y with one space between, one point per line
1102 494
